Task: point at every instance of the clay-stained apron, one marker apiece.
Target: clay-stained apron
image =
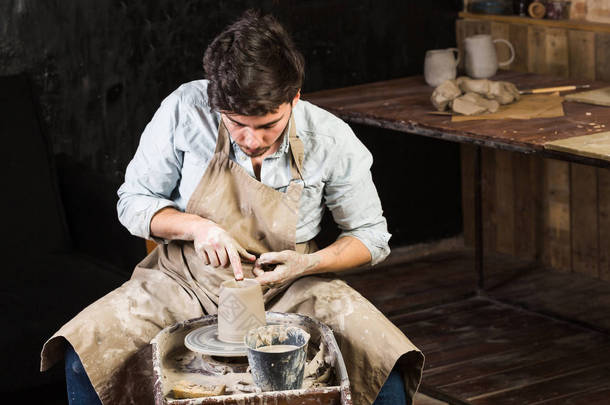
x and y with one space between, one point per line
112 335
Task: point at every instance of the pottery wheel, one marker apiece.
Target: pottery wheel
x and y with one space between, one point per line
205 340
224 365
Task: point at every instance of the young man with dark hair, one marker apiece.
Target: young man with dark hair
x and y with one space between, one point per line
231 177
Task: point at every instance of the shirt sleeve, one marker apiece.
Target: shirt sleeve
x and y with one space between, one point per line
352 198
153 173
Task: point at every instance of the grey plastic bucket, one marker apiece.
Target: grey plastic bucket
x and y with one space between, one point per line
277 371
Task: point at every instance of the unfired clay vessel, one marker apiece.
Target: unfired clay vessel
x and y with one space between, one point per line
240 308
440 65
481 58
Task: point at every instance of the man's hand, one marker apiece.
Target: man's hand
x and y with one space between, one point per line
217 248
289 265
212 243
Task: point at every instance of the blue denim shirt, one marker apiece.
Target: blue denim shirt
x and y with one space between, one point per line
179 141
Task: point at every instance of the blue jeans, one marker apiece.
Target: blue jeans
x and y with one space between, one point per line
393 390
80 390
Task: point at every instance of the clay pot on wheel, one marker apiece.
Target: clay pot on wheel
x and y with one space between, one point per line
240 308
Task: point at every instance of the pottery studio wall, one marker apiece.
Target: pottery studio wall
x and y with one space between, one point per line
101 68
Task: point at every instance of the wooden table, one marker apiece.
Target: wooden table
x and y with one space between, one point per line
404 105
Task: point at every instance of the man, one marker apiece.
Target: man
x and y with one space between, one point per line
231 177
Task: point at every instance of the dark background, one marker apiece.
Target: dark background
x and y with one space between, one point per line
99 69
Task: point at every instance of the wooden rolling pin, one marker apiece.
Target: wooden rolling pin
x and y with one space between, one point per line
554 89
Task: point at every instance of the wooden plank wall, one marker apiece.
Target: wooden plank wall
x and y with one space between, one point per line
542 209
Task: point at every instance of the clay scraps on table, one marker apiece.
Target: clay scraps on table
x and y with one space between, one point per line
473 96
528 107
484 99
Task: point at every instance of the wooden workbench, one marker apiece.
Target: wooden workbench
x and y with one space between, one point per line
404 105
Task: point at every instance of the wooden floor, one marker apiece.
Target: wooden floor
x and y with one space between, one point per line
533 337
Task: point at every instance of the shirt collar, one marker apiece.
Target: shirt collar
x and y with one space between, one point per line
283 149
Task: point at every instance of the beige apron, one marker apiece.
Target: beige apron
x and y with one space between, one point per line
172 284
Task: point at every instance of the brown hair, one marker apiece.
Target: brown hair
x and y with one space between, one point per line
253 66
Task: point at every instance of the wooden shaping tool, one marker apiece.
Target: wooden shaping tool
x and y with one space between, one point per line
554 89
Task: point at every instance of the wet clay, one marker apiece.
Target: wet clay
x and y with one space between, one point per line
185 365
267 336
240 308
324 375
276 348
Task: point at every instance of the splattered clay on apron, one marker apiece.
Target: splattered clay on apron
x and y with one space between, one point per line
112 335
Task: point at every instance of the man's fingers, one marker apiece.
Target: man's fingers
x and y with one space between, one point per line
204 256
258 271
235 263
223 257
243 252
213 258
257 267
272 258
271 277
266 278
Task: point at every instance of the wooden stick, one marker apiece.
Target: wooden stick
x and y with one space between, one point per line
554 89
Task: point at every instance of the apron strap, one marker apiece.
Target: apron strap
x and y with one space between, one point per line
297 150
222 143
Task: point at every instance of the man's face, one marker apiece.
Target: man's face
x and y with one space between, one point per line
257 135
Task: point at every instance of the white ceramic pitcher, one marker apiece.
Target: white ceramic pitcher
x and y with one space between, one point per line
481 58
440 65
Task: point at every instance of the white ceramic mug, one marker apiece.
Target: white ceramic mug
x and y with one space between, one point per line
440 65
240 308
481 58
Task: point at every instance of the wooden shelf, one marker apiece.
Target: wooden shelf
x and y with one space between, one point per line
566 24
